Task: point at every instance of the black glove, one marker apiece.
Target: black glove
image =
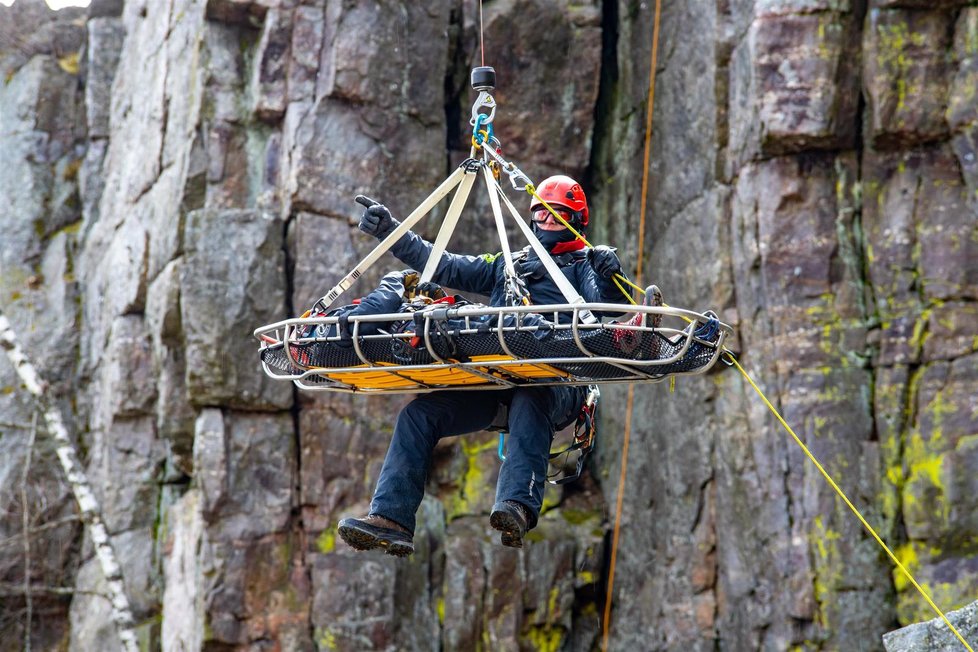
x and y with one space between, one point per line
377 219
431 290
604 261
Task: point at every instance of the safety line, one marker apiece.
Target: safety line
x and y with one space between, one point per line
845 499
530 188
616 535
631 388
624 291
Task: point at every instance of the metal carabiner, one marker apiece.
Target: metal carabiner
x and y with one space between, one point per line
516 176
484 101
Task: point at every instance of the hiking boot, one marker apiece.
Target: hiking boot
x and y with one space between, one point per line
627 341
653 298
510 518
375 531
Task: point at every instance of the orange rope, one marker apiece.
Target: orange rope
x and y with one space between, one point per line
648 143
606 627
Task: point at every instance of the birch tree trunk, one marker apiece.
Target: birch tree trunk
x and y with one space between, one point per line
87 504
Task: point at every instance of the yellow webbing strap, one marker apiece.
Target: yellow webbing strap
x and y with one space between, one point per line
848 502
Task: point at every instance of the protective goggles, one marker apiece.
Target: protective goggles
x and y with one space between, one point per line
541 214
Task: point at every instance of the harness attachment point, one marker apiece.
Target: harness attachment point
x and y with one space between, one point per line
585 433
486 102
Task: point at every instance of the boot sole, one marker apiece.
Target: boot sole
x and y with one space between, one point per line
360 539
510 528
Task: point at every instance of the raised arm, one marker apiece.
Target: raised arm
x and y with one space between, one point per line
465 273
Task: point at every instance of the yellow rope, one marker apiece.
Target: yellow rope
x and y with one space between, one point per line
845 499
624 291
631 395
577 236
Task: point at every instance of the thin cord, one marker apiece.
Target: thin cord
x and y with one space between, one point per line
606 627
482 44
848 502
648 142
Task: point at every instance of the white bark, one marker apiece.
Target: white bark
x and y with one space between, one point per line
87 503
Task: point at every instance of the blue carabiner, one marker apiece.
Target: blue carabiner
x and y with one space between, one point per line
502 443
475 130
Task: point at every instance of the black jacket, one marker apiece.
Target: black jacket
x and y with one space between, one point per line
485 274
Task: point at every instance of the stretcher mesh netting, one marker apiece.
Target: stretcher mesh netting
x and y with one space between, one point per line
482 352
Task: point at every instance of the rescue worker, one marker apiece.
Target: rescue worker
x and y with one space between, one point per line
535 413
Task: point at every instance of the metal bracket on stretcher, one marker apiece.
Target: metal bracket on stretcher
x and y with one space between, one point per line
481 347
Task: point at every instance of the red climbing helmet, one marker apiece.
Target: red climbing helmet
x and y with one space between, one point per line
561 190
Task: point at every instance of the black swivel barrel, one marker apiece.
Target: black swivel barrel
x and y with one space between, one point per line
483 78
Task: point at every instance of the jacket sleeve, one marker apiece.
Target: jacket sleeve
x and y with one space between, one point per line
466 273
595 289
387 298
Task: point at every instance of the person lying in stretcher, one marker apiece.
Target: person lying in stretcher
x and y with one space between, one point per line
401 293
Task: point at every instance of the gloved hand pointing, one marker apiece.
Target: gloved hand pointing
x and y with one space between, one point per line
377 219
604 261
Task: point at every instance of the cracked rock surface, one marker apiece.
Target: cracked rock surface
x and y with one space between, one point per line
176 173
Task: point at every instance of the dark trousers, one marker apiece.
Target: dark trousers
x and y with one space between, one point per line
534 414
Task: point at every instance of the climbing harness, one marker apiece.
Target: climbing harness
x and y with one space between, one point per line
585 432
469 346
584 437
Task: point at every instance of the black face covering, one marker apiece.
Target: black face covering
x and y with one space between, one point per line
551 238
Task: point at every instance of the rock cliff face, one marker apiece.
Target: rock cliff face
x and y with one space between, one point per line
176 173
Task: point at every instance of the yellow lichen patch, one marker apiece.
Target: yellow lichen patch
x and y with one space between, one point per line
894 474
824 539
939 407
69 63
552 603
473 480
907 555
889 495
326 541
828 565
546 639
924 477
928 467
326 639
920 331
550 500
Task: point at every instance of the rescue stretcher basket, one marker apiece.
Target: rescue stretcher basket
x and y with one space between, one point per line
480 347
